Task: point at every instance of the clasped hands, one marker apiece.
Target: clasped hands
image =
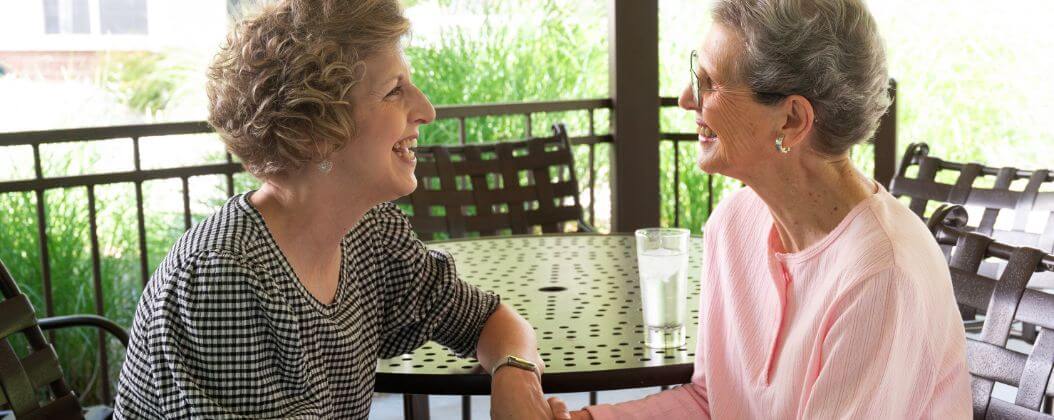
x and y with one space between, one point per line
516 394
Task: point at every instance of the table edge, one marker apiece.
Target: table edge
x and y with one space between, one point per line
478 383
528 235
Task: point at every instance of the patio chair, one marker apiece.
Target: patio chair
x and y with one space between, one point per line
1035 201
489 189
516 187
21 379
1003 300
1037 196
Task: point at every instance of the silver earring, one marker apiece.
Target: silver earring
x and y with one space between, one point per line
325 166
779 145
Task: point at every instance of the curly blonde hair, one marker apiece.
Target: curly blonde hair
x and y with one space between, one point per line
279 89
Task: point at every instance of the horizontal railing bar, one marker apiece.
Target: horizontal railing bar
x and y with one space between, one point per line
667 101
103 133
482 110
575 141
188 171
200 127
678 137
118 177
585 140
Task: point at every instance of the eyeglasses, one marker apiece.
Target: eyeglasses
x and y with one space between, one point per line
698 90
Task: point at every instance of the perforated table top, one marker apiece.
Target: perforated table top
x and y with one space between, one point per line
581 293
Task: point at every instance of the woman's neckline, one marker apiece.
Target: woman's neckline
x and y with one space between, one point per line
775 245
261 224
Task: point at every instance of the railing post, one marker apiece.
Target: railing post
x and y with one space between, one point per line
886 141
633 63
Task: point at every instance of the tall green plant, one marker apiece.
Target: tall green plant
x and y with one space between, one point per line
505 62
70 261
147 82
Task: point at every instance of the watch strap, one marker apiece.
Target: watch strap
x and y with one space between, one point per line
519 363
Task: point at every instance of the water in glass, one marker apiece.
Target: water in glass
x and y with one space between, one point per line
662 258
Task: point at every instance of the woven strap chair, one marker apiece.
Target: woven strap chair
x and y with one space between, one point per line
973 187
22 378
1035 199
1003 300
489 189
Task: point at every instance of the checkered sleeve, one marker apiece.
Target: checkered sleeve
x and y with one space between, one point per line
134 399
423 297
209 343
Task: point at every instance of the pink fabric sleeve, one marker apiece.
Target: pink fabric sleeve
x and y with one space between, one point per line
687 402
873 362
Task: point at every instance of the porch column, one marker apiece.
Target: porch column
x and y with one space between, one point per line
633 63
886 141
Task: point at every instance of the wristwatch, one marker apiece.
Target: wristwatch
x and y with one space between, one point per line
516 362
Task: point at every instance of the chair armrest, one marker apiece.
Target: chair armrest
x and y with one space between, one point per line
111 327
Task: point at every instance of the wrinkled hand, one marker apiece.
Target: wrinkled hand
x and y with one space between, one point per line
516 394
559 410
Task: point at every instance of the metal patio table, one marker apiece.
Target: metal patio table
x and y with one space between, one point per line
581 293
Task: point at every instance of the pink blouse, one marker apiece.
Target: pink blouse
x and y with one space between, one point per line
862 324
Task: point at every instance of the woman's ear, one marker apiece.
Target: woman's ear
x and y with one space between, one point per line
800 117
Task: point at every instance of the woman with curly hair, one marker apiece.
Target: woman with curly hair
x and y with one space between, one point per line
280 304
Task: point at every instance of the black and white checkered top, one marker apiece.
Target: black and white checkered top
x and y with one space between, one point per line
224 328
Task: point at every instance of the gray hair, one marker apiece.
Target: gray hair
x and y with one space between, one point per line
828 51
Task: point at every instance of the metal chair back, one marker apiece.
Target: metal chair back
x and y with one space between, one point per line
495 188
22 378
1004 196
1036 198
1004 300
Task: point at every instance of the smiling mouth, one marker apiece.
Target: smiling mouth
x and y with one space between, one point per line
406 148
706 134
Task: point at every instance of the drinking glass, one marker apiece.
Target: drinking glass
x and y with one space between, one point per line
662 261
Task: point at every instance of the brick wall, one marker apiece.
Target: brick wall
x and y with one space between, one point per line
50 65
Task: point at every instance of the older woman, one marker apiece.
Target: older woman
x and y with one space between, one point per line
822 295
280 303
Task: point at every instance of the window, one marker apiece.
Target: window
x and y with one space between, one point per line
66 17
95 17
122 16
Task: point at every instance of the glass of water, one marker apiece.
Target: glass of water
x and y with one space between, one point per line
662 260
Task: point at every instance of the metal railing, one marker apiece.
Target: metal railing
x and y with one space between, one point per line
137 176
676 139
